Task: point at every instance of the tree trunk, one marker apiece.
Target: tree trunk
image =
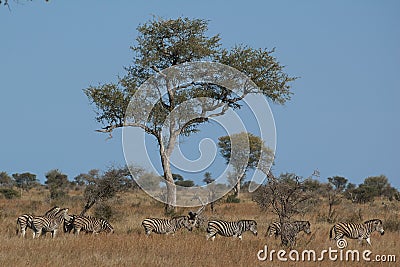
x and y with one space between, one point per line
237 189
171 187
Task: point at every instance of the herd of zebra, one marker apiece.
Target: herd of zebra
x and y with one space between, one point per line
289 230
56 217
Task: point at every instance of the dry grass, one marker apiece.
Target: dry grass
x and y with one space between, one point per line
128 246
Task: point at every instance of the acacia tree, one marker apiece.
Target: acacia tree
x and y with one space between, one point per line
57 183
5 180
25 181
249 149
101 187
161 44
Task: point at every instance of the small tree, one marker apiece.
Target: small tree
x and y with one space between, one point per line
6 180
334 198
376 186
338 182
249 150
57 183
286 196
25 181
101 187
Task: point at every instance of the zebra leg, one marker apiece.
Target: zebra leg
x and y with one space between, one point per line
208 236
212 235
76 231
369 241
53 233
37 234
240 237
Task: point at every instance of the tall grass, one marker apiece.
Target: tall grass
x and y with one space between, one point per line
129 246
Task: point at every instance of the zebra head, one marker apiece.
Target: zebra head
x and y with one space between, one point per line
107 227
375 225
251 226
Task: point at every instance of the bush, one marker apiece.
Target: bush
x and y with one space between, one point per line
391 224
9 193
232 199
103 211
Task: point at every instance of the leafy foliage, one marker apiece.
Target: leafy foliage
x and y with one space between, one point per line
9 193
25 180
101 187
375 186
249 152
6 180
57 183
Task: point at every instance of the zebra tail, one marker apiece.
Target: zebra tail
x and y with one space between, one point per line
269 227
331 232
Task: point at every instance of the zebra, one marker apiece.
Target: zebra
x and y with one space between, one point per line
290 230
42 224
68 226
358 231
89 224
235 229
167 226
25 221
275 228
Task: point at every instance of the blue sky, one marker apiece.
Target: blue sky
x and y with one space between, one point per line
342 119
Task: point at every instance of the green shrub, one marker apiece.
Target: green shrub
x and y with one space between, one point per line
9 193
232 199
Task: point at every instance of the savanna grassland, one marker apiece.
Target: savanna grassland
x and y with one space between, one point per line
129 246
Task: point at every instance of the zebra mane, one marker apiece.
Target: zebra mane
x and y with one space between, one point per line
50 211
373 220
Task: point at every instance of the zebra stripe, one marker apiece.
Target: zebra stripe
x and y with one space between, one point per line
25 221
235 229
290 230
275 228
90 225
166 226
358 231
68 226
42 224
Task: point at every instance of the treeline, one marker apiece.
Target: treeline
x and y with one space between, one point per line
100 185
372 187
